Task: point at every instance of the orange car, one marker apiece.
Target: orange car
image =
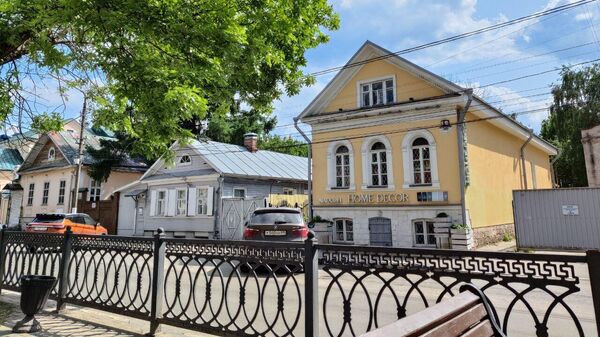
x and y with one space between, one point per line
58 222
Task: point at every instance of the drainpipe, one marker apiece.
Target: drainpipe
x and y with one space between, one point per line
309 143
461 152
552 171
218 226
523 166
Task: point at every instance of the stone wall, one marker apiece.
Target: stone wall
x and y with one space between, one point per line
590 139
492 234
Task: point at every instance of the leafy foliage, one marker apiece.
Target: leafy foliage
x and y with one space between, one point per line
111 153
576 106
148 66
284 145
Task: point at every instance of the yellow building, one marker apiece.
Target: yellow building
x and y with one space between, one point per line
388 159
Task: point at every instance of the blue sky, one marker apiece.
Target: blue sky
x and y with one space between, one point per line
491 57
488 58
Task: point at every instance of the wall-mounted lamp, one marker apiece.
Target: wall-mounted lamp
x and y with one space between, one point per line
445 125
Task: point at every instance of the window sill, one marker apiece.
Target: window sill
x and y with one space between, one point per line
433 186
341 189
379 188
347 243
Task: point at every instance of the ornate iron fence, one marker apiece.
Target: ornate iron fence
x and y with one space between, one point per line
245 288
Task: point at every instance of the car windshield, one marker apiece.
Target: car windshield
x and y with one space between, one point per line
49 218
276 218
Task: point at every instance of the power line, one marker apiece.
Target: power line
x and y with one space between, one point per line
457 37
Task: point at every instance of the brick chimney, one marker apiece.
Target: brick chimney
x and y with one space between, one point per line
251 142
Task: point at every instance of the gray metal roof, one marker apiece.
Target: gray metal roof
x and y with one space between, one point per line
236 160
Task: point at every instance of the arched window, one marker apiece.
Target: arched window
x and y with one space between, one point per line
185 160
51 154
379 172
421 161
342 167
419 157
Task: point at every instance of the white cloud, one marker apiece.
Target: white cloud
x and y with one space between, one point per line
584 16
530 107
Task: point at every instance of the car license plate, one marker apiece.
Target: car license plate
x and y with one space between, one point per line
36 228
275 233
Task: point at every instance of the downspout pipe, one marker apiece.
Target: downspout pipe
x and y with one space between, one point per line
309 144
523 166
461 152
552 170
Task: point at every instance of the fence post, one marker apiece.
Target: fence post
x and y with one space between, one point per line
158 281
2 254
593 262
311 286
63 271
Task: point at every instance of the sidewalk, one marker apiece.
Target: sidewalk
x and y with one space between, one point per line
78 321
502 246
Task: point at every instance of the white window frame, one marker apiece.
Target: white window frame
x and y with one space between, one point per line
370 81
407 160
240 189
331 166
51 154
62 187
366 163
425 234
421 160
177 200
187 163
202 203
345 230
157 210
30 194
45 193
93 196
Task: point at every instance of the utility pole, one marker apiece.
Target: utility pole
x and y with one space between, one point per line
79 161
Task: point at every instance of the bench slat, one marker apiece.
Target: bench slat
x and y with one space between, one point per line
459 324
483 329
415 325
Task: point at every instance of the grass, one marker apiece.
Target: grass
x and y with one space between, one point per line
507 237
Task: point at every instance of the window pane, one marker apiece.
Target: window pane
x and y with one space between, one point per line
375 180
384 180
374 168
419 239
431 239
419 227
346 181
417 178
346 160
366 101
427 177
377 86
338 182
389 96
365 88
346 170
426 153
416 154
389 84
349 225
383 157
338 160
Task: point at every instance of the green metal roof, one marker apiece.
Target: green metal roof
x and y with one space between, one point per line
9 159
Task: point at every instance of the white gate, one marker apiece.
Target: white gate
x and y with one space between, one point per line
236 211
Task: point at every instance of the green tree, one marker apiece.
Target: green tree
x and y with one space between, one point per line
148 66
281 144
576 106
111 153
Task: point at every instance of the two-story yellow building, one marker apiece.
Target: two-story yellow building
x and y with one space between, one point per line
391 144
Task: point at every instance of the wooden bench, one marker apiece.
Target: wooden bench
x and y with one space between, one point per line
467 314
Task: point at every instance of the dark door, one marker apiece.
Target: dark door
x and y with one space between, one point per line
380 231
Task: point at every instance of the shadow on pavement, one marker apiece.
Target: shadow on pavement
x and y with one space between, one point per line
58 325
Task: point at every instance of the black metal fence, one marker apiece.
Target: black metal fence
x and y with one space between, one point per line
242 288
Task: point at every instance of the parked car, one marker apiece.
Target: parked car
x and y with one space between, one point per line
276 224
58 222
